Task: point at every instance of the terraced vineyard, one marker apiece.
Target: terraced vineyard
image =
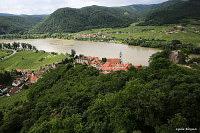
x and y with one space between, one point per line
30 60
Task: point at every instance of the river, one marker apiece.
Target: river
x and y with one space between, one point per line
130 54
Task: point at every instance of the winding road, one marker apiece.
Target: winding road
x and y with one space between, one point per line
14 52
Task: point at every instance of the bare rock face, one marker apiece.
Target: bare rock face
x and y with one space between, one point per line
173 57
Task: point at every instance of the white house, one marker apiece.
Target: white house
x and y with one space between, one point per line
16 83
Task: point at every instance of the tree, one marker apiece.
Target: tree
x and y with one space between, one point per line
29 46
73 52
173 124
104 59
175 44
23 45
16 45
1 118
183 56
1 46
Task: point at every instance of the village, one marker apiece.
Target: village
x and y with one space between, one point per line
29 77
26 78
99 35
106 66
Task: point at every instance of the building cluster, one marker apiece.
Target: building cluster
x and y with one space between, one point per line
175 31
27 78
99 35
96 35
110 65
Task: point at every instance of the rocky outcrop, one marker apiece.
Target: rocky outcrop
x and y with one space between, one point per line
173 57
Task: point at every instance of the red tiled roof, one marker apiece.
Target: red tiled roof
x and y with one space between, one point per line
114 61
33 79
94 58
139 67
117 69
107 65
16 81
105 68
122 65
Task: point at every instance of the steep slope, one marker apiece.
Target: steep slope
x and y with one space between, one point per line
142 10
74 20
18 24
136 9
174 13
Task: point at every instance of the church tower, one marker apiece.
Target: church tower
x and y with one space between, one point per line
120 56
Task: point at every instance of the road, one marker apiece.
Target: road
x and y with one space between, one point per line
14 52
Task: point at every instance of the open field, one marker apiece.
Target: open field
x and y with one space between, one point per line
9 101
152 32
30 60
4 53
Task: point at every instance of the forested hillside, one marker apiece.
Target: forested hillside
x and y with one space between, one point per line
77 99
172 13
18 24
69 20
74 20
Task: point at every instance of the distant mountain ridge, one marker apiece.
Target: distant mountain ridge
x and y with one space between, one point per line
7 14
10 23
176 11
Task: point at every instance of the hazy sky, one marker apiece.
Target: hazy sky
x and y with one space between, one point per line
48 6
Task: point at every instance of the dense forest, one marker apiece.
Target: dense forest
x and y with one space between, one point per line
77 99
74 20
178 12
5 77
18 24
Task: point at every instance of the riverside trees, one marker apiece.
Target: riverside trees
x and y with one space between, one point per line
17 45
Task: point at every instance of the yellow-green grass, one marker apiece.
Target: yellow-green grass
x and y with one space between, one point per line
9 101
152 32
27 60
4 53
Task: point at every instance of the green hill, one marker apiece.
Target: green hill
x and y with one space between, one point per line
172 13
138 9
18 24
74 20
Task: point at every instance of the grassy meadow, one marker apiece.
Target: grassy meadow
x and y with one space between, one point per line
30 60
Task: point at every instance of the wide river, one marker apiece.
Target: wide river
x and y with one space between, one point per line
131 54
